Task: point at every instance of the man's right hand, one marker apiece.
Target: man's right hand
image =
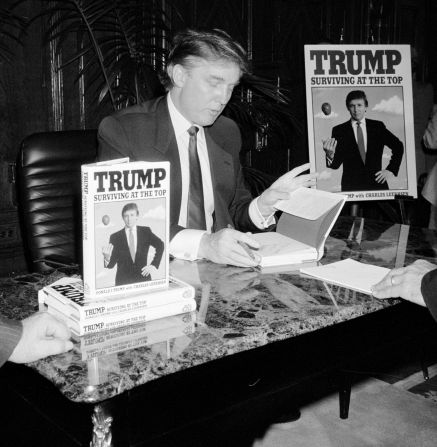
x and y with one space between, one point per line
107 252
223 248
329 146
42 335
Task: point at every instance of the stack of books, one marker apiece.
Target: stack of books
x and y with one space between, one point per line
125 236
65 300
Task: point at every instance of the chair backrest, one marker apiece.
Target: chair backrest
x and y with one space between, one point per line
49 195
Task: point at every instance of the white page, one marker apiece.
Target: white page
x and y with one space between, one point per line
309 203
272 243
349 273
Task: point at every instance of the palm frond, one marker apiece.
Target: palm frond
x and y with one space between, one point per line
12 27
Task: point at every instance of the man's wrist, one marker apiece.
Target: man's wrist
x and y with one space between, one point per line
258 218
204 246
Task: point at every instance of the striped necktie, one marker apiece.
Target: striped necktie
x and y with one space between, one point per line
131 245
196 208
360 141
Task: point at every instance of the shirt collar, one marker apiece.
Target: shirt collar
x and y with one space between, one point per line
362 122
180 123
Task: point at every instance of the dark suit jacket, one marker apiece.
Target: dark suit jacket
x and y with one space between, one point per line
428 289
358 176
10 334
128 271
145 132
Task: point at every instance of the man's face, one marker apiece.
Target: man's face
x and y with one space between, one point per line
130 218
357 108
204 89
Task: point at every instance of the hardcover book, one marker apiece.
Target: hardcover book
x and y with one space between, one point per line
66 295
125 223
306 220
360 120
112 321
349 273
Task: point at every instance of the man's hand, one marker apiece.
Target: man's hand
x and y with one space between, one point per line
43 335
223 247
281 188
329 146
384 176
149 270
107 252
404 282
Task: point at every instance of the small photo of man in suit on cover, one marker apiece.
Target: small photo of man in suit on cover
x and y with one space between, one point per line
129 248
358 145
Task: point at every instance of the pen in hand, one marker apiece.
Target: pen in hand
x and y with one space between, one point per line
245 247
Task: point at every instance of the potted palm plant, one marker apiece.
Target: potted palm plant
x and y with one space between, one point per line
122 49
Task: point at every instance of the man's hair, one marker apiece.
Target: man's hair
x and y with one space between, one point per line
128 207
211 45
356 94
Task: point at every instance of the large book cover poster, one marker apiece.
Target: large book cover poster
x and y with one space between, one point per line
125 214
360 120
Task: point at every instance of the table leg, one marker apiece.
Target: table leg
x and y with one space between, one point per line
102 435
344 396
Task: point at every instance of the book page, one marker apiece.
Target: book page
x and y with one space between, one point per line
349 273
277 249
273 244
308 203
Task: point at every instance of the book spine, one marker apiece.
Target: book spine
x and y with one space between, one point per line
177 291
107 322
87 233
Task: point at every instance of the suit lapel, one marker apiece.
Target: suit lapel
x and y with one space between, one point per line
353 141
371 143
221 173
165 143
125 242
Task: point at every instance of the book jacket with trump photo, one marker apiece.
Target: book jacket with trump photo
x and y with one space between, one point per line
360 120
125 216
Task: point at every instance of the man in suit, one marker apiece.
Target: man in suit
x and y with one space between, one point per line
210 207
35 337
358 145
416 283
129 250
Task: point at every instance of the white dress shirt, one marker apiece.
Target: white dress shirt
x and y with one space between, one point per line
134 233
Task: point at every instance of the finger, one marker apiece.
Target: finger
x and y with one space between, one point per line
57 329
299 169
238 256
250 241
391 285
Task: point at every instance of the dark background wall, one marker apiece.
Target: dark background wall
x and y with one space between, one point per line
34 97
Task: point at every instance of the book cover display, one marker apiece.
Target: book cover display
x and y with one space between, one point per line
371 85
125 221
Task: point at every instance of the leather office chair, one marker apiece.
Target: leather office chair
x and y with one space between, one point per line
49 196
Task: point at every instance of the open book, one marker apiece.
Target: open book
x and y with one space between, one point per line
349 273
306 220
